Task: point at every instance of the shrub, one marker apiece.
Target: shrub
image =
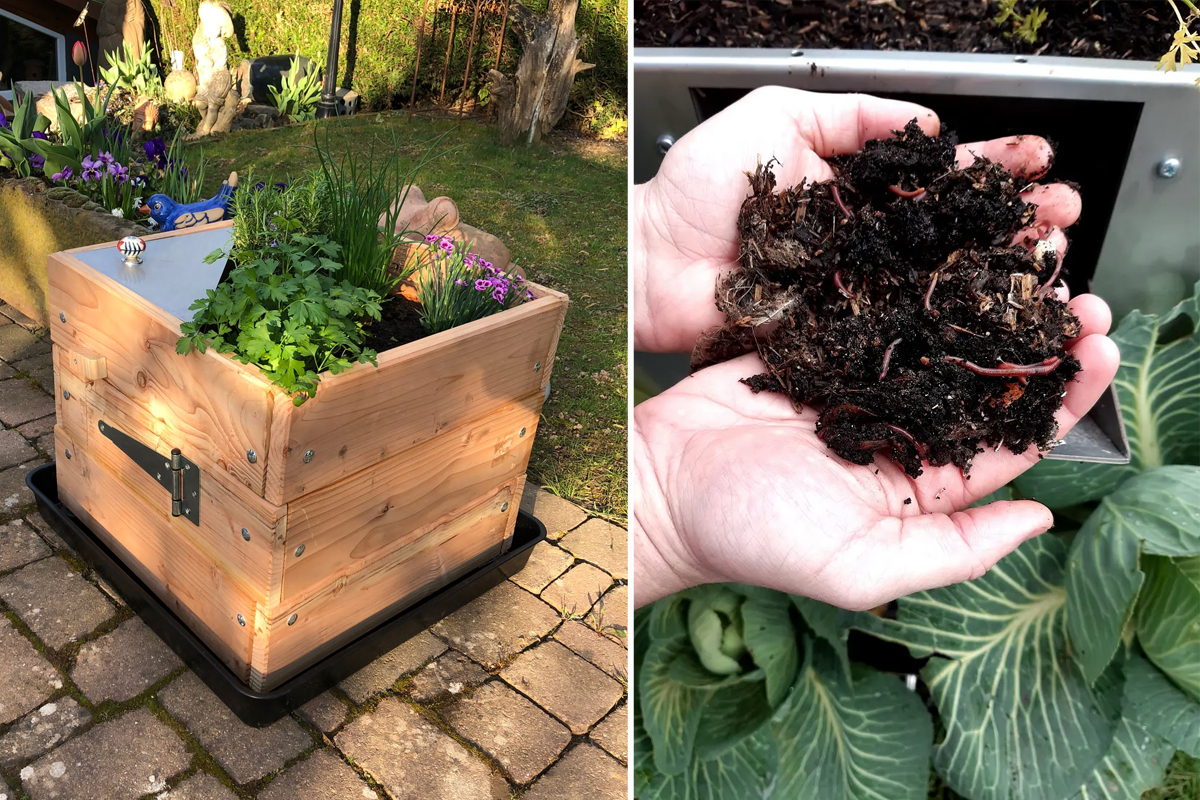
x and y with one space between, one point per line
298 94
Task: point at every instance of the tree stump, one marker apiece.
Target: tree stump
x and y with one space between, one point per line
534 101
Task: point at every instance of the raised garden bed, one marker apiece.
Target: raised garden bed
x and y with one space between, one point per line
306 525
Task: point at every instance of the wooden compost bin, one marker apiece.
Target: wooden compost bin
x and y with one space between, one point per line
315 522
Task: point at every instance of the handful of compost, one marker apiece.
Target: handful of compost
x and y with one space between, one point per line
895 297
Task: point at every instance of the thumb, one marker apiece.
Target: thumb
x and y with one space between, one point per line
935 550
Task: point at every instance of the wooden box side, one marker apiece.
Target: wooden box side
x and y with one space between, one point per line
367 415
330 618
213 408
347 525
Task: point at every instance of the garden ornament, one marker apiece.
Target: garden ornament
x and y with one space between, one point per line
173 216
216 97
131 249
180 85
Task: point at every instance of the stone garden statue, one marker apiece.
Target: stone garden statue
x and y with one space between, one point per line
216 96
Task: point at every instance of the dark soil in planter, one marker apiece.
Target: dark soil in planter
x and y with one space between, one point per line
399 323
892 297
1103 29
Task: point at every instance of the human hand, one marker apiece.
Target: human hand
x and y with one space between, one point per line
734 486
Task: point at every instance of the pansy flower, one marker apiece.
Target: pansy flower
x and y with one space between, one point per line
36 161
92 169
62 176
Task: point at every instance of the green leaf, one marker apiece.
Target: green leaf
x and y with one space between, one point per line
1190 568
732 713
1135 762
1168 623
1158 388
831 624
643 748
743 772
1022 720
771 640
1153 701
670 710
864 739
715 628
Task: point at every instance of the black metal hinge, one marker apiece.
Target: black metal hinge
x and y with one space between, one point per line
176 474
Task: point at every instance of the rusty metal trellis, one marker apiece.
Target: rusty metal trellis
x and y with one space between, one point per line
484 13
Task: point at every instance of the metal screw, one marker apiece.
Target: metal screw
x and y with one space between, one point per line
187 466
537 367
102 427
241 620
62 317
187 511
1168 167
664 143
68 453
522 433
308 456
504 506
796 51
292 619
158 476
193 494
1021 59
252 456
246 534
66 395
299 551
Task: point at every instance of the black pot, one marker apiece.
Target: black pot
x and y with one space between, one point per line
268 71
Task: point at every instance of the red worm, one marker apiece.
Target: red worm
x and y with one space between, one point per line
837 198
1048 286
929 292
841 287
920 448
1007 370
887 358
915 194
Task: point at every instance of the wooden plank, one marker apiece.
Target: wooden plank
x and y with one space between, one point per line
346 609
399 500
215 409
152 545
86 365
366 414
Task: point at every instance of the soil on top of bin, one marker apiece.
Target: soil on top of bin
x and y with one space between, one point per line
399 323
895 298
1087 28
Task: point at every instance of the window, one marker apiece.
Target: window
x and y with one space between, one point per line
29 52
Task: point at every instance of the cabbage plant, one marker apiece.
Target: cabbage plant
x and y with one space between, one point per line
1070 671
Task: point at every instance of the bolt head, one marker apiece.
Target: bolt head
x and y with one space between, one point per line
308 456
504 506
67 453
66 395
241 620
62 316
299 551
292 619
522 433
664 143
1169 167
246 534
537 367
252 456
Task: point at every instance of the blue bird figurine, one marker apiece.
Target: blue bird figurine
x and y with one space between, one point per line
172 216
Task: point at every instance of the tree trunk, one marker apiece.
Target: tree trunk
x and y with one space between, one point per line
534 101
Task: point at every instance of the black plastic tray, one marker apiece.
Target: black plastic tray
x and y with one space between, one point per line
262 708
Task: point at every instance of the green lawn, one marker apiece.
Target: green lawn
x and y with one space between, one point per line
560 208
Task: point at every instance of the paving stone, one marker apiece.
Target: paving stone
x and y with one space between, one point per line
20 402
586 771
564 684
6 372
14 494
601 651
41 729
39 427
6 792
496 626
123 759
380 674
558 515
415 760
546 562
447 676
601 543
611 616
20 544
122 664
246 753
321 776
45 443
26 678
40 367
46 532
17 344
55 601
324 711
200 786
613 734
519 735
14 449
19 317
573 594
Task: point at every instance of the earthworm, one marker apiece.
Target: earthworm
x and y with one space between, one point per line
1007 370
915 194
929 292
887 357
920 448
1048 286
841 287
837 198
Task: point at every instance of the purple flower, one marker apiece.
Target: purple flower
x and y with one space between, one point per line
498 295
40 135
36 161
62 176
92 169
482 285
3 120
528 295
447 244
258 187
106 158
460 282
119 173
279 187
519 279
156 151
486 264
431 237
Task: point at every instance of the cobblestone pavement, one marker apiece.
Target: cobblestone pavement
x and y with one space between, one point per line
520 694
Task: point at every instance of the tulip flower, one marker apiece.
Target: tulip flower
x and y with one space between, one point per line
79 54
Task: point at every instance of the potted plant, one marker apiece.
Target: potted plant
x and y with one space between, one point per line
324 464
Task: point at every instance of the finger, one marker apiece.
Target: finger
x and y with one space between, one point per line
1023 156
836 124
1057 204
1029 237
1093 314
